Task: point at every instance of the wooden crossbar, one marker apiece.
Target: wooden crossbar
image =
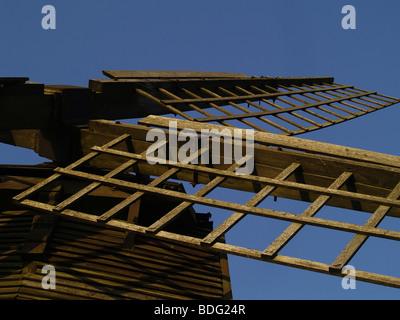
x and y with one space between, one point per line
251 97
294 228
355 244
237 216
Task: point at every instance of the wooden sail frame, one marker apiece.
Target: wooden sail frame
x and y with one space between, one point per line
287 106
314 172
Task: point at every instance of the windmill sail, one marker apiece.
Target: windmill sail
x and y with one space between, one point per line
109 155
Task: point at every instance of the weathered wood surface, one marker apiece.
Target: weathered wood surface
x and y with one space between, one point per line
138 74
318 171
292 178
95 262
295 143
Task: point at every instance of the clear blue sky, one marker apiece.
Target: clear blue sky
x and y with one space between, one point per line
274 38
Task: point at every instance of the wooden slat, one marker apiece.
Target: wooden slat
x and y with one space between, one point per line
330 105
258 107
77 163
139 74
237 216
355 244
250 124
78 195
251 97
294 228
168 107
276 106
221 109
193 106
167 218
137 195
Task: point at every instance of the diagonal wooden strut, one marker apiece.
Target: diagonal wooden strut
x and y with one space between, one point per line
291 231
138 194
355 244
237 216
76 164
167 218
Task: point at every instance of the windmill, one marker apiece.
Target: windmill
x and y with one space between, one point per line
116 225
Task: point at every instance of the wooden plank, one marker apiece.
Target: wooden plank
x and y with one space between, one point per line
268 161
355 244
283 141
138 74
294 228
237 216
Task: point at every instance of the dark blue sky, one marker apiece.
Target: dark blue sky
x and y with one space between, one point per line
274 38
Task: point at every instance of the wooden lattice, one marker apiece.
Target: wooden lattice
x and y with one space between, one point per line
308 171
285 106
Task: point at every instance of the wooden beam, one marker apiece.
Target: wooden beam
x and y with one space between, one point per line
138 74
265 138
237 216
